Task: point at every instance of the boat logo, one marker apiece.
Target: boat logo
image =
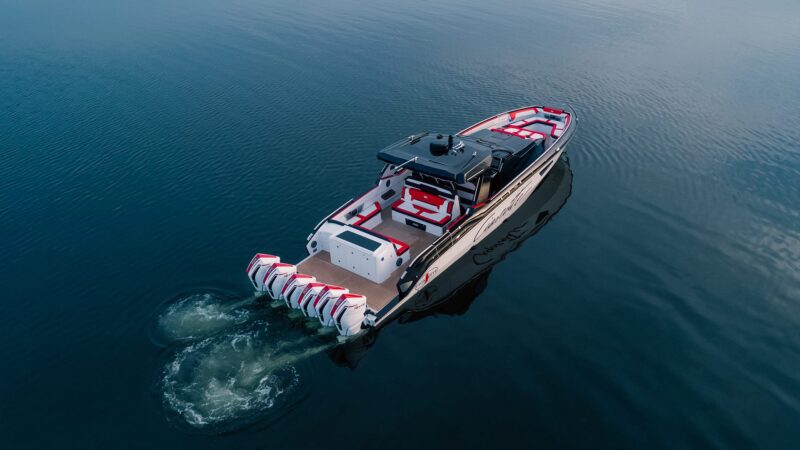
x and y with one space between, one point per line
428 276
494 218
485 256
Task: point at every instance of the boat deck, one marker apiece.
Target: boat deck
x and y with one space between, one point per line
378 295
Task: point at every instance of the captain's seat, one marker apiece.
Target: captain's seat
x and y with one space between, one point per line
426 206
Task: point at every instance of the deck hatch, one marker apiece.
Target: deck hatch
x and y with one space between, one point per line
359 240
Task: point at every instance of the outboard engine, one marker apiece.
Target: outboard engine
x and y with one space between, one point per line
276 277
308 295
311 307
258 267
348 313
293 287
324 303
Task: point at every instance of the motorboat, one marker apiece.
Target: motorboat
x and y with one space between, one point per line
437 197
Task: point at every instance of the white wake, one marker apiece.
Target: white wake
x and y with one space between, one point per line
201 315
234 367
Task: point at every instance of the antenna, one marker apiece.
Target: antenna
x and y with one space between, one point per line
397 169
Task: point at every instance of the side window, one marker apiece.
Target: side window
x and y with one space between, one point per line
483 188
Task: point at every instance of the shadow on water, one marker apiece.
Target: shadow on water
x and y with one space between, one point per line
238 362
453 292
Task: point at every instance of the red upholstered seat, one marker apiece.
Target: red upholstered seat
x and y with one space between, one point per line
424 208
421 213
427 207
519 128
368 213
520 132
422 197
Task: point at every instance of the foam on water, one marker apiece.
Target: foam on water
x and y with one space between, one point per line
201 315
235 378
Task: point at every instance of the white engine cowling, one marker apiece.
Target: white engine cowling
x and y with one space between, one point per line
348 313
308 295
291 290
310 309
258 267
324 303
277 275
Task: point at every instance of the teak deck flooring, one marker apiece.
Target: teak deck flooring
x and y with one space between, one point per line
378 295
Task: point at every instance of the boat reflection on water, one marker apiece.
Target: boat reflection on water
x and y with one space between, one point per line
453 292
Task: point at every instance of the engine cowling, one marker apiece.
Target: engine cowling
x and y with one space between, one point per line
258 267
324 303
308 295
311 306
277 275
291 290
348 313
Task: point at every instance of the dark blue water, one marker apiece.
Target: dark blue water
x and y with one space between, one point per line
148 149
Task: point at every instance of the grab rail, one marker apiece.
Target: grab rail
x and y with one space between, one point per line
328 217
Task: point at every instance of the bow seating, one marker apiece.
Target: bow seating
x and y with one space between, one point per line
520 132
556 120
425 206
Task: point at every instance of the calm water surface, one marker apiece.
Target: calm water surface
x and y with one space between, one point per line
148 149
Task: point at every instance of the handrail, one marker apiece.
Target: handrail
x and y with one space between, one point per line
328 217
